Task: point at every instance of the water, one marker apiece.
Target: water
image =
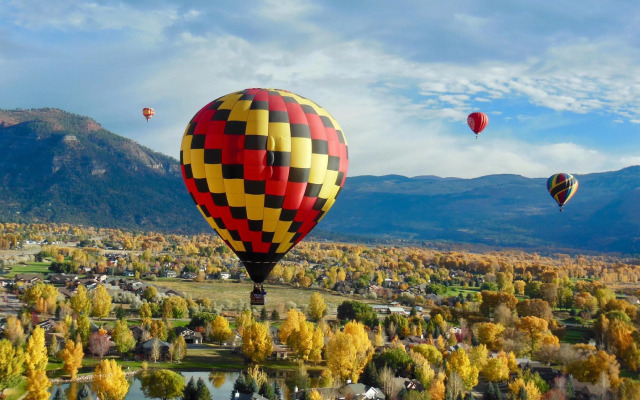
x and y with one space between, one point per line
223 380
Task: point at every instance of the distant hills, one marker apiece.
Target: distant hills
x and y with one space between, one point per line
61 167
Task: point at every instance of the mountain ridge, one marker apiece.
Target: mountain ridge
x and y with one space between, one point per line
62 167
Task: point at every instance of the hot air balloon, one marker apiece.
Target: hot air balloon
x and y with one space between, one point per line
477 122
148 112
263 167
562 187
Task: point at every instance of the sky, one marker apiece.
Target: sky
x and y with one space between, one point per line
559 80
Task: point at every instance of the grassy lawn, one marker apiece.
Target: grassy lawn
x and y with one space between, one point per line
17 391
220 292
577 335
29 268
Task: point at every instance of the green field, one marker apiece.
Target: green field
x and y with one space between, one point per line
29 268
220 292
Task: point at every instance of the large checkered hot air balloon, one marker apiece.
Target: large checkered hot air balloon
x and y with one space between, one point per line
263 167
562 187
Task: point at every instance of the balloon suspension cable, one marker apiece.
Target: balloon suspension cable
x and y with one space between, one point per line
560 208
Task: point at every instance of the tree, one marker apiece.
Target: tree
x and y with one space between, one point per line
99 343
158 329
101 302
11 363
590 368
190 391
83 394
36 364
109 382
14 331
264 316
349 351
123 337
275 315
174 307
179 348
80 301
162 384
83 328
535 328
317 307
535 307
202 392
145 313
244 320
437 388
256 342
59 394
459 362
220 331
42 297
150 293
487 333
497 369
361 312
430 352
291 324
301 340
525 390
72 355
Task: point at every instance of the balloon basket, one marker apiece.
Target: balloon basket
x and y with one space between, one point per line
257 299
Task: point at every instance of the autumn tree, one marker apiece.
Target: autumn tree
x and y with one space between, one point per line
497 368
531 391
14 331
83 328
302 341
589 368
101 302
80 301
42 297
109 381
437 387
11 363
317 307
256 342
220 330
349 351
536 308
490 300
179 348
158 329
536 330
99 343
290 324
72 356
145 313
430 352
244 320
36 365
487 333
123 337
459 362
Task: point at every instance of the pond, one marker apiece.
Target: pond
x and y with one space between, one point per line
219 383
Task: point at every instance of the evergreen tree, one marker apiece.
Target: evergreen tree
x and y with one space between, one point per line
571 391
436 332
277 390
189 392
474 340
370 375
523 395
84 393
267 391
241 385
202 391
490 393
459 397
59 395
253 386
447 394
275 315
469 396
263 314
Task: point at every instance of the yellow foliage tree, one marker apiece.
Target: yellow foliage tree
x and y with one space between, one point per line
378 339
145 313
487 333
244 320
220 330
314 395
422 368
497 369
317 307
478 356
536 329
101 302
460 363
109 381
292 323
437 388
80 301
11 362
36 365
72 357
529 387
349 351
430 352
256 342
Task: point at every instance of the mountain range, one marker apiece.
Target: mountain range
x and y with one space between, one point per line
60 167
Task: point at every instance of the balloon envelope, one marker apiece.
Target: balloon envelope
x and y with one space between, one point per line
148 112
263 167
562 187
477 121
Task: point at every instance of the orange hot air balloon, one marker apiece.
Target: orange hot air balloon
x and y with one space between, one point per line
148 112
477 122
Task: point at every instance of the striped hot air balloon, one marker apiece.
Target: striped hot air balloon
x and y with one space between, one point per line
562 187
148 112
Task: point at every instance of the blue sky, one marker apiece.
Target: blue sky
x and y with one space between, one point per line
560 81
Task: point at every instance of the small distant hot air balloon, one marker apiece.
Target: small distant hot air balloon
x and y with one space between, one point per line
263 167
562 187
148 112
477 122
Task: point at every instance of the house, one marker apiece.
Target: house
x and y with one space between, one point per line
65 293
169 273
280 352
189 335
145 350
396 310
48 325
58 337
247 396
29 279
62 279
128 273
137 332
358 391
225 275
